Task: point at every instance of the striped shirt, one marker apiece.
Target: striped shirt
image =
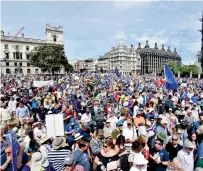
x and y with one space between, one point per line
57 158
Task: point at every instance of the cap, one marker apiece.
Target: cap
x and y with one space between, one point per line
164 122
69 159
119 123
188 144
129 121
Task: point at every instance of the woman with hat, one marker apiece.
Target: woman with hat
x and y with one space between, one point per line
139 163
39 162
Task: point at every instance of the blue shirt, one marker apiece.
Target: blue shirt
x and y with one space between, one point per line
81 158
22 112
86 134
70 128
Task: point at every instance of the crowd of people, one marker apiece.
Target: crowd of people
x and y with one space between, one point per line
128 123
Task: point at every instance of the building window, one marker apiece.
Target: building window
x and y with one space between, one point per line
199 60
28 56
20 63
7 55
28 64
28 71
27 47
21 71
7 71
17 47
17 55
5 46
15 64
16 70
54 38
7 63
35 48
36 71
21 56
14 55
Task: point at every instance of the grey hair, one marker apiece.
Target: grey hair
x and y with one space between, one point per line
198 169
177 161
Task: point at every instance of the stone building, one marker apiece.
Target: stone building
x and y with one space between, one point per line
15 50
152 59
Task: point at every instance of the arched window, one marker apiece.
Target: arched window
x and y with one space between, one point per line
54 38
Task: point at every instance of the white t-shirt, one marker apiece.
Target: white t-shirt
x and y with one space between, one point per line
86 117
129 133
5 114
39 132
12 105
44 149
135 168
132 156
186 159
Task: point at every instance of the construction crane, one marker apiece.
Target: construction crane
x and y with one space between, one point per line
18 32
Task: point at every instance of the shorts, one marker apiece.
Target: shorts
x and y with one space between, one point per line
24 119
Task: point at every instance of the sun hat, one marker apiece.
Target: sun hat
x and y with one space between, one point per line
108 121
38 161
140 160
125 104
164 122
162 136
129 121
58 142
77 136
69 159
188 143
44 139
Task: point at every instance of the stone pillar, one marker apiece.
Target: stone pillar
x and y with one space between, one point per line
190 74
178 74
199 75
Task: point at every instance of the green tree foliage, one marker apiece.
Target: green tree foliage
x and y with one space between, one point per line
49 57
183 69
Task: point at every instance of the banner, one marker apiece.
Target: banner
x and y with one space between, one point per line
55 125
42 83
11 138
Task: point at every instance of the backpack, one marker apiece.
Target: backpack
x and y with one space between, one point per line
124 163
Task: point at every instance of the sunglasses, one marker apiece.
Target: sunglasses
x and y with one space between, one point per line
105 146
175 139
158 143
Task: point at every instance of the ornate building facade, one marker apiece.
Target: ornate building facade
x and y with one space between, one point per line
152 59
15 51
126 59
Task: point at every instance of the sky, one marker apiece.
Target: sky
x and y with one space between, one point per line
92 28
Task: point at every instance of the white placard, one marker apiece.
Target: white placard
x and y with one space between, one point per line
55 125
183 85
42 83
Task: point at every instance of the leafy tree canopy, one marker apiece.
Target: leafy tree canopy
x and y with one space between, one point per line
49 57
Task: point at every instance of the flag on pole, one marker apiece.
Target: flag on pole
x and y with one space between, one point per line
117 72
171 83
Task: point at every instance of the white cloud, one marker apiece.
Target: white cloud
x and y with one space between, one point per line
126 5
120 35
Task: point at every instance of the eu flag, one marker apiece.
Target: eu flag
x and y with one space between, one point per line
171 83
117 72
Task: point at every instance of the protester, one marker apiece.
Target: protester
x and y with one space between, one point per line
110 122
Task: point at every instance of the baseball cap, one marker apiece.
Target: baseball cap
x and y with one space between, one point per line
69 159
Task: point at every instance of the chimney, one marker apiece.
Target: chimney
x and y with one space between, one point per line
22 35
163 48
147 45
2 33
169 50
131 46
175 50
155 46
139 46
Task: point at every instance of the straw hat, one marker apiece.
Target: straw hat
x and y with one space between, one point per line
58 142
140 160
38 161
77 136
44 139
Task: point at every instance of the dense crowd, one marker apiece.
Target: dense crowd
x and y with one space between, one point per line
110 123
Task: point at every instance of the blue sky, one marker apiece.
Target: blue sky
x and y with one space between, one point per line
92 28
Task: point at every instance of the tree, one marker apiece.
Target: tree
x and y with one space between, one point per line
68 67
49 57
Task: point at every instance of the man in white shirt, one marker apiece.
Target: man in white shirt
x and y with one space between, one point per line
186 156
129 132
5 114
39 131
12 105
112 118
